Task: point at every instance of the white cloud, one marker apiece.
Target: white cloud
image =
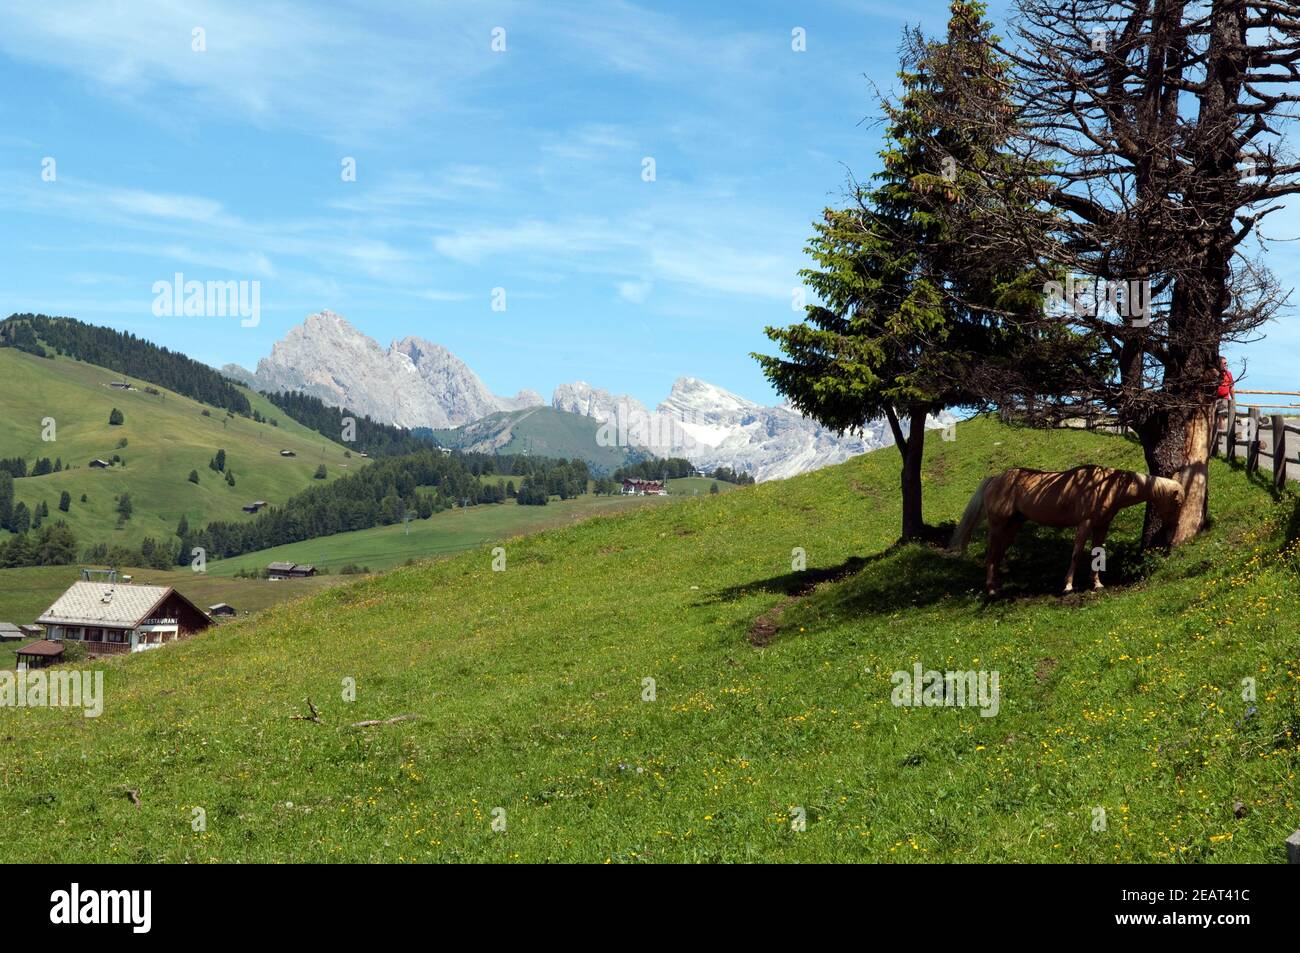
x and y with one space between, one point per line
435 295
531 238
159 205
662 245
397 193
588 143
635 291
658 46
340 68
708 265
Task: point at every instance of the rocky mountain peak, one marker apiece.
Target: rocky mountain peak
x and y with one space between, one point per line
417 383
692 398
412 383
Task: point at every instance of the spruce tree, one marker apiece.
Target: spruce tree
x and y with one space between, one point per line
6 499
21 520
902 319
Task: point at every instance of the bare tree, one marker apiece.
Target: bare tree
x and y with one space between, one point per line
1150 137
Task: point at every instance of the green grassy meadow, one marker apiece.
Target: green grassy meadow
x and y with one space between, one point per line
697 486
451 531
531 704
167 437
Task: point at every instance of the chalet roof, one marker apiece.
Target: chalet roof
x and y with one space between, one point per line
290 567
8 628
104 603
221 605
43 647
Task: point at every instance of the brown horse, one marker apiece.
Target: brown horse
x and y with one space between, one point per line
1086 497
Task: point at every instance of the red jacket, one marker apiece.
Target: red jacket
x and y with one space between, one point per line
1225 385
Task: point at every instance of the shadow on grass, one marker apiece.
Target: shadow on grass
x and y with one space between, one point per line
797 583
915 575
800 583
1262 478
1036 563
1293 525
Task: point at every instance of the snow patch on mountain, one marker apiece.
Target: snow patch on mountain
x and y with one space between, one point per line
713 427
415 383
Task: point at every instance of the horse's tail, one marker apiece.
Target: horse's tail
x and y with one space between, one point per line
970 519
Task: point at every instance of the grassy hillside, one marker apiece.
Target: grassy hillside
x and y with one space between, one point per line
528 687
167 437
540 431
451 531
697 486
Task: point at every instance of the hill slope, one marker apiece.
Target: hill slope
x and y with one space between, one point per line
167 436
541 431
528 685
451 531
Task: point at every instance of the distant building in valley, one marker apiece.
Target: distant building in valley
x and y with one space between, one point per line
289 571
644 488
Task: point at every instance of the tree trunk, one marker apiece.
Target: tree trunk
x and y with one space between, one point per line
912 450
1176 438
1181 451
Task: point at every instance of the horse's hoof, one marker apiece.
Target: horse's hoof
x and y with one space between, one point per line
1068 591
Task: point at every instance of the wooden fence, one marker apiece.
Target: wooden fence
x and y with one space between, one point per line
1261 435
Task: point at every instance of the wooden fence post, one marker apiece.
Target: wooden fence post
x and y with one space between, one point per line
1279 450
1230 438
1220 410
1252 442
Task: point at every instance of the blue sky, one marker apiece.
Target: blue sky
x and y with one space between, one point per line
475 170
